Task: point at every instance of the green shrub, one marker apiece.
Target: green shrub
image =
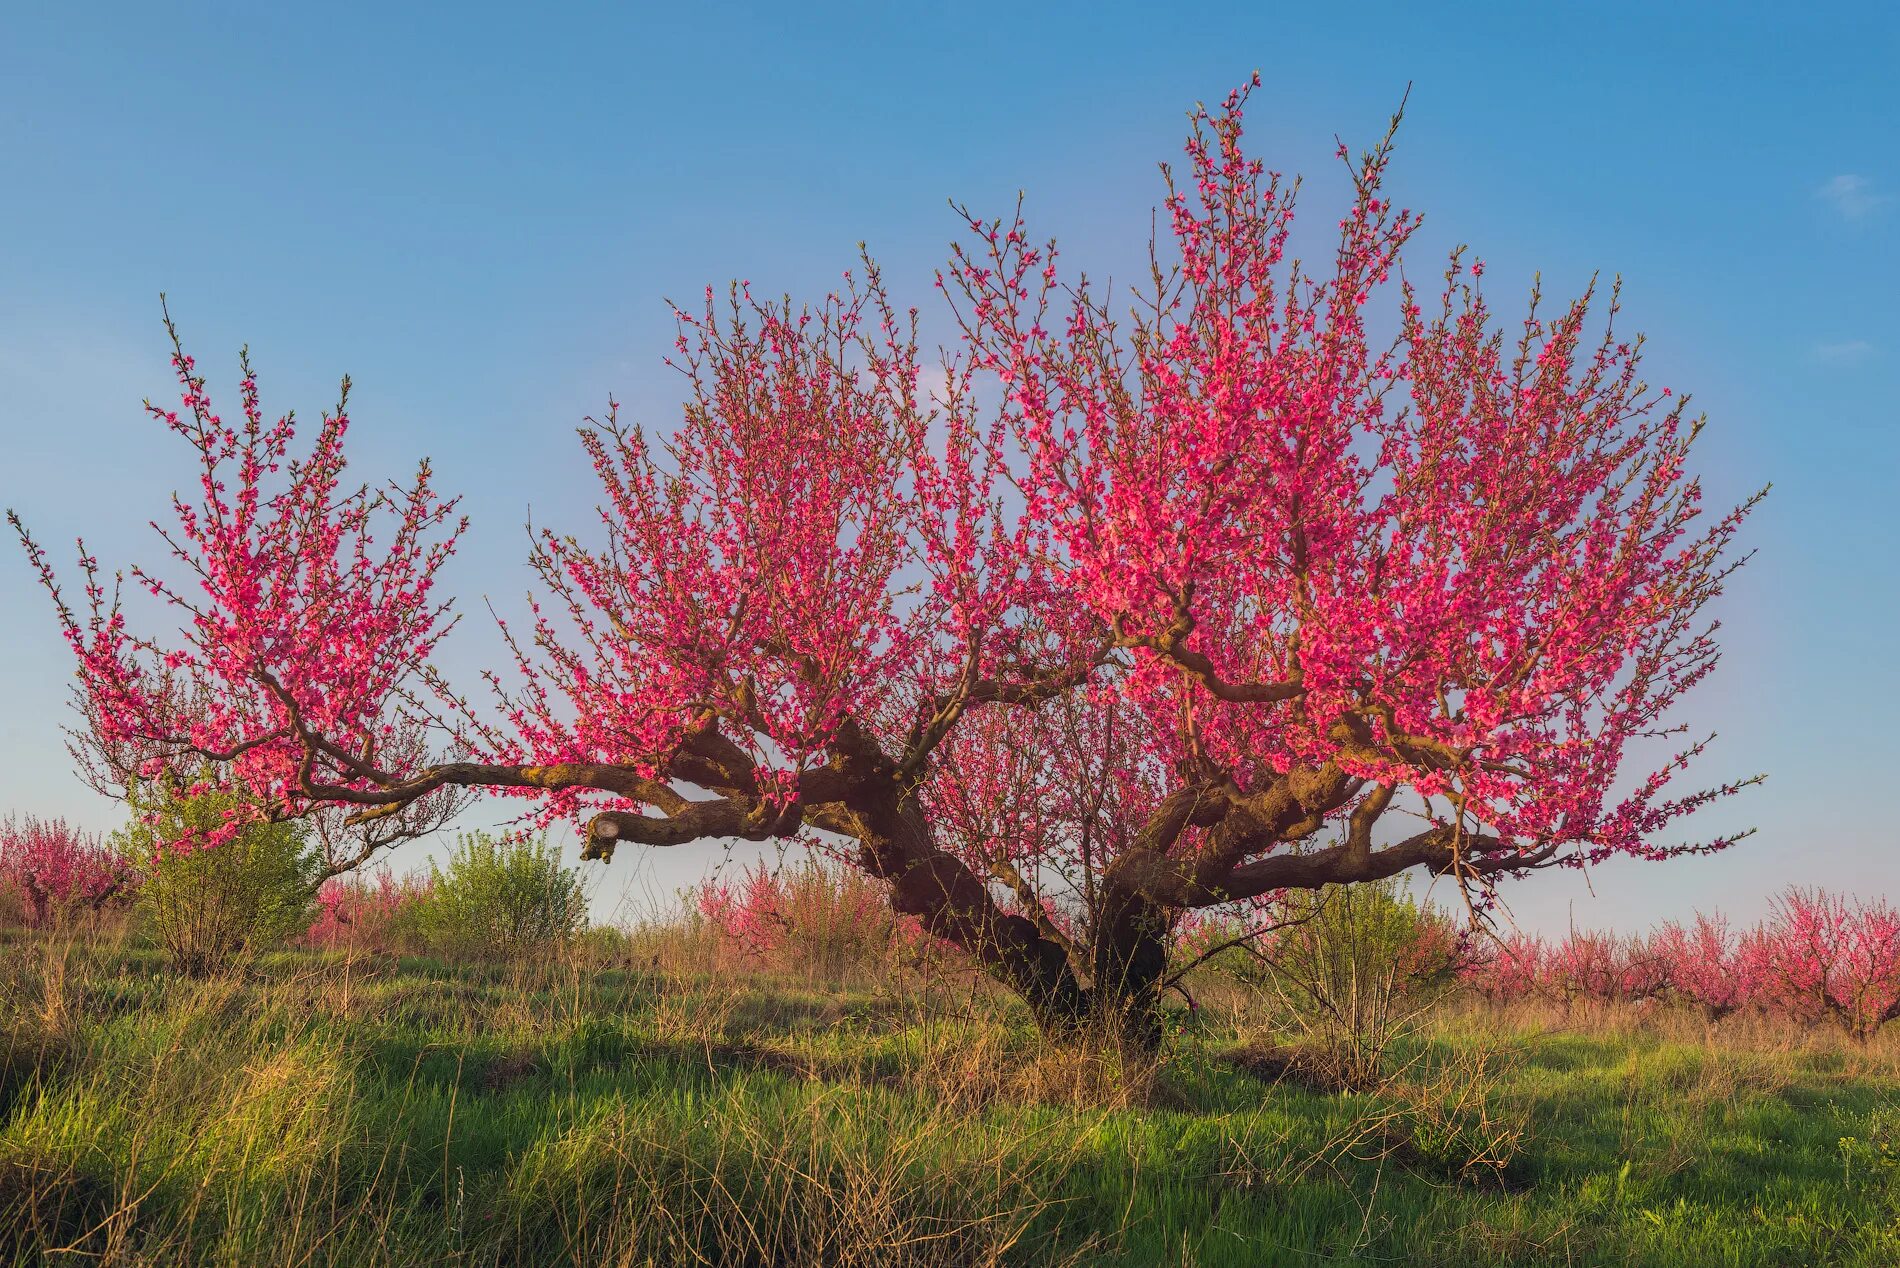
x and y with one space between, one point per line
501 896
1352 968
208 906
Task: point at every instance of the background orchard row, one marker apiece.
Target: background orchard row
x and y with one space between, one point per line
1815 959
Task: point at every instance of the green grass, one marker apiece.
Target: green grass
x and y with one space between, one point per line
312 1110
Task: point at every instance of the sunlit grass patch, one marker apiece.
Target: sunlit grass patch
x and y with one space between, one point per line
323 1109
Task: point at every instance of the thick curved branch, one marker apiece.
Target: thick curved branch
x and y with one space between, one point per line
1364 816
1238 826
1198 667
1171 645
1437 849
747 819
937 716
388 798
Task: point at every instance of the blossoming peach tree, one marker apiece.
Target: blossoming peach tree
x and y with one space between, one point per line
1816 957
1161 609
53 870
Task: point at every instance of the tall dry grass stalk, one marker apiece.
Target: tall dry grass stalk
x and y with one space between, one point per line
745 1190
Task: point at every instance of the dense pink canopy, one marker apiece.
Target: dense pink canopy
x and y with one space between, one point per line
1151 601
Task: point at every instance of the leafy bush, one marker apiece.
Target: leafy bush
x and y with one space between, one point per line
50 870
502 896
1354 967
253 887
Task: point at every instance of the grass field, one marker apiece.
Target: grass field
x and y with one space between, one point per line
636 1108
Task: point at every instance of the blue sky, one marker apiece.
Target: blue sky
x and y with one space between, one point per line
478 211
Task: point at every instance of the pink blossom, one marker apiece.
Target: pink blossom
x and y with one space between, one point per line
57 870
363 910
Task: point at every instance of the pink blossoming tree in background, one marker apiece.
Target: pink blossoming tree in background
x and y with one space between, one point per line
54 870
1171 608
1710 966
812 917
1823 956
1508 969
365 910
1817 958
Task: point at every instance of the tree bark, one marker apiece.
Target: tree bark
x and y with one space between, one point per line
1130 964
953 903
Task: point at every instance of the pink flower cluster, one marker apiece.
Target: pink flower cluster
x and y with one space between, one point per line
55 870
1818 957
364 911
1480 563
303 605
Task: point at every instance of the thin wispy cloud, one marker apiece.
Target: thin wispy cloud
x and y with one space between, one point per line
1844 352
1853 196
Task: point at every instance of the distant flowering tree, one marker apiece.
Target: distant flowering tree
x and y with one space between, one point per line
55 870
1710 966
1302 587
812 916
1646 970
750 915
1582 966
1817 958
1604 968
370 910
1823 956
1507 969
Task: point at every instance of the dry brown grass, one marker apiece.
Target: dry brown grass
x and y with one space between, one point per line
615 1192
